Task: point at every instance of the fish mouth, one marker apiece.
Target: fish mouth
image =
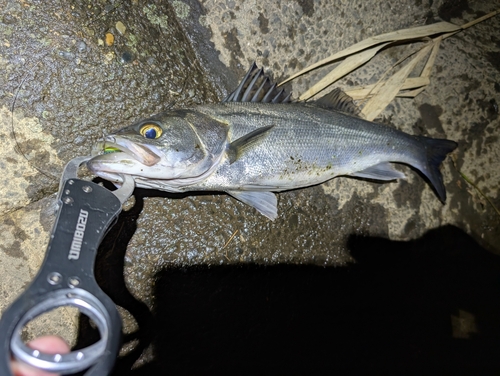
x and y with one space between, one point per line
145 154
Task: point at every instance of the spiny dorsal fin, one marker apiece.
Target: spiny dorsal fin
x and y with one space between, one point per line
338 100
256 86
239 146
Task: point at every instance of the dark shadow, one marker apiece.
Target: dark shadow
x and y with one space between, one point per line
429 306
390 313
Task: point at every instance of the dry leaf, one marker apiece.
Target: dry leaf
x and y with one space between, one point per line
388 89
399 84
362 92
344 68
404 34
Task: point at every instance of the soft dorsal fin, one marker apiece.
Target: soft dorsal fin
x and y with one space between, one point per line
256 86
338 100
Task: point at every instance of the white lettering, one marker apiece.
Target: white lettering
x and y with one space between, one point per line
76 244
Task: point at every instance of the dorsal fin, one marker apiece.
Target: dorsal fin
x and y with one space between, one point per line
338 100
256 86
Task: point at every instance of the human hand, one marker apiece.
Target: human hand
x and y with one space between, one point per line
48 345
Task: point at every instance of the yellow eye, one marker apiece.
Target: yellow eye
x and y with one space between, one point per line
151 131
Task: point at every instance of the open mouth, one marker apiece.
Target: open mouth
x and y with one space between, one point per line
141 153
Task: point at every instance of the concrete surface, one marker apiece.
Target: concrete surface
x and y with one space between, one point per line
68 84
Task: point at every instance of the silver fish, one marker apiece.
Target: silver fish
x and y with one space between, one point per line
255 142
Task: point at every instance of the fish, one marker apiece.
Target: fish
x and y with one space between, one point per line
258 141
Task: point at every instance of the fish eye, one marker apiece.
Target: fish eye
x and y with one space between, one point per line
151 131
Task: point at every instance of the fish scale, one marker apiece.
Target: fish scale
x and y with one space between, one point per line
305 147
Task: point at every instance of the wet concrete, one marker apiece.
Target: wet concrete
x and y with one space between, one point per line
69 84
60 71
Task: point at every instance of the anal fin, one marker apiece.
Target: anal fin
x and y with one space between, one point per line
265 202
382 171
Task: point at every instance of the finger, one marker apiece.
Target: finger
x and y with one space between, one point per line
48 345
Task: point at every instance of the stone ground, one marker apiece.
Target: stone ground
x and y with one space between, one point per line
71 72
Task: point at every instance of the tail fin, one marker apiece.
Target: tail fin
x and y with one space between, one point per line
436 151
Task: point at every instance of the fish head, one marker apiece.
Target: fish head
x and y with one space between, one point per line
162 147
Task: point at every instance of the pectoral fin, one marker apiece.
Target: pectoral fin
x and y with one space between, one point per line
381 171
265 202
238 147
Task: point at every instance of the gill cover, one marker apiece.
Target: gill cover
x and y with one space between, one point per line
190 142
